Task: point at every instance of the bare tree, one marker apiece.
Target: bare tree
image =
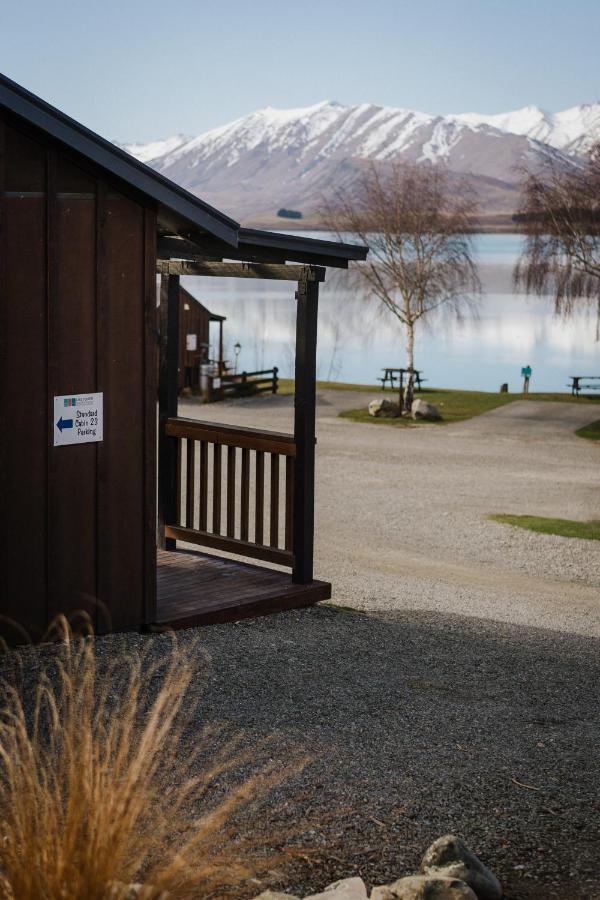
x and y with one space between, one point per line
417 226
560 216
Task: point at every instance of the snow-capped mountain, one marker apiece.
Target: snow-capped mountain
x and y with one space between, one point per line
292 158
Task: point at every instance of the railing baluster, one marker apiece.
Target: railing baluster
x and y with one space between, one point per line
178 500
289 502
274 523
189 488
245 502
216 516
203 485
231 491
259 512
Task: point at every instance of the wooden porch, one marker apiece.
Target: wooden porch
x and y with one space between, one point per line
245 492
201 589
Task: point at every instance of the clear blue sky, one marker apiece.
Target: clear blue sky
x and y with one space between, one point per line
136 70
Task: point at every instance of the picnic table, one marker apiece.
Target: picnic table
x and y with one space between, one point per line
392 374
577 386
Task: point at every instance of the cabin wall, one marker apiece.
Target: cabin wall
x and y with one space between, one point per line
77 315
194 320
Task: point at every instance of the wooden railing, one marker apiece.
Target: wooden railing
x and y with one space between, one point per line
245 384
234 489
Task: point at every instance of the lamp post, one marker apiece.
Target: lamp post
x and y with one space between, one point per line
236 349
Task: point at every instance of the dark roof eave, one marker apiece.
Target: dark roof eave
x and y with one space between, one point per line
291 242
116 161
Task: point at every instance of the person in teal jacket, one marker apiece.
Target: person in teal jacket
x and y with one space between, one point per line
526 373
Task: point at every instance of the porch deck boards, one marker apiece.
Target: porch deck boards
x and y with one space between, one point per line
200 589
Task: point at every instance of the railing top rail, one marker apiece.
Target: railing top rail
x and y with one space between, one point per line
239 374
232 435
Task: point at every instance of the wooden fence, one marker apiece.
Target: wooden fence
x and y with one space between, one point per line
244 384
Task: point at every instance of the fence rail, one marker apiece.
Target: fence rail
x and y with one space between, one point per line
234 489
245 384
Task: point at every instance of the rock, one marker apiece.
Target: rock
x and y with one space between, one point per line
384 409
424 887
275 895
420 409
133 891
449 856
347 889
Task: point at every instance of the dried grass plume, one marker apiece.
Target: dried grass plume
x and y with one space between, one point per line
91 801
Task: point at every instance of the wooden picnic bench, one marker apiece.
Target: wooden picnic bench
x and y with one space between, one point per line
577 386
393 374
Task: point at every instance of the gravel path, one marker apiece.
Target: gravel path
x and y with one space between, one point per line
419 723
401 512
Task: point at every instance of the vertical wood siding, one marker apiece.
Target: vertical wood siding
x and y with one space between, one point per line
77 299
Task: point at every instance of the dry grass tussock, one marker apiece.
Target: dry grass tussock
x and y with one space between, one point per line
96 793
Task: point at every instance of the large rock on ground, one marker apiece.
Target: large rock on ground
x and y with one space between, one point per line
347 889
384 409
420 409
276 895
449 856
424 887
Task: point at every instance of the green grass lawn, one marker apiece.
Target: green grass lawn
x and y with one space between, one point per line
563 527
591 431
456 406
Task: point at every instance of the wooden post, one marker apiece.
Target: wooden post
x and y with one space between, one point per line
167 406
221 349
304 429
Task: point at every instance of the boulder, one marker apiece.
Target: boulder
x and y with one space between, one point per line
450 857
420 409
347 889
424 887
384 409
276 895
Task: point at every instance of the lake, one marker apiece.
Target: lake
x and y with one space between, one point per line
358 337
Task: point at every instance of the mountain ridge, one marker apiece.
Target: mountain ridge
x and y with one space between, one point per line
292 158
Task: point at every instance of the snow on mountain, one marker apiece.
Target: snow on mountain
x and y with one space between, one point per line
292 157
573 130
155 149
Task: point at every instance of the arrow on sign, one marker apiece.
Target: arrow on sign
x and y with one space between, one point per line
64 423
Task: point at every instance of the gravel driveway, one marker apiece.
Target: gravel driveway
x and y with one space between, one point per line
401 512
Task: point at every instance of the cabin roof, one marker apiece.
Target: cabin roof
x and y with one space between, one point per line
186 296
181 214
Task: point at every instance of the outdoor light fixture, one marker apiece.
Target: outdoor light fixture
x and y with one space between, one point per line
236 349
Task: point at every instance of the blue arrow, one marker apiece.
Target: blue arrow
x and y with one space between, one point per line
64 423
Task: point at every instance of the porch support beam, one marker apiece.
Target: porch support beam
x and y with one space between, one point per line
167 406
304 430
277 271
183 249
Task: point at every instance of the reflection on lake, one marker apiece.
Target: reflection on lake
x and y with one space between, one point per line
357 337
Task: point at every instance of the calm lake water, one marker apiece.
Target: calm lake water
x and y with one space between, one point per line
357 337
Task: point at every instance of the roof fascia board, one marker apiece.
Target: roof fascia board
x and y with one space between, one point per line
292 242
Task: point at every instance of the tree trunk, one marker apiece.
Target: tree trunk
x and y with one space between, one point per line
410 364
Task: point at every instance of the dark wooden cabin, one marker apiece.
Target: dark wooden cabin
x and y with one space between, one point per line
84 230
196 341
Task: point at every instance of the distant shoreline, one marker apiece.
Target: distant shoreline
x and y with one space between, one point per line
502 223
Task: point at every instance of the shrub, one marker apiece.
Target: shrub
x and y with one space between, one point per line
90 801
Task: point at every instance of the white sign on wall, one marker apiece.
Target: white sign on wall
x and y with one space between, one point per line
78 419
191 342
